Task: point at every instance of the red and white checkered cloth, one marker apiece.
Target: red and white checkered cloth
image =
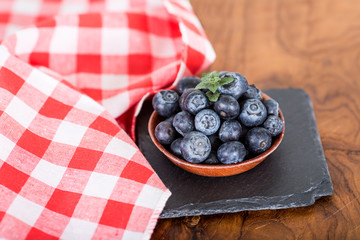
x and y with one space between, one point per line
72 77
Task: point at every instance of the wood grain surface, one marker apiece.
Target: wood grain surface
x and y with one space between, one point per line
310 44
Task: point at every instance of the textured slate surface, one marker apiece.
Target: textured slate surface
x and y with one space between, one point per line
295 175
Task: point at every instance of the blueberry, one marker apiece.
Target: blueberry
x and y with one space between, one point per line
230 130
195 147
227 107
207 121
165 132
183 122
258 140
165 102
183 96
272 106
175 147
274 125
231 152
187 82
253 113
212 159
195 102
236 88
253 93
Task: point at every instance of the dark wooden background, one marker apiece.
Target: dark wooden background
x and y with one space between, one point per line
310 44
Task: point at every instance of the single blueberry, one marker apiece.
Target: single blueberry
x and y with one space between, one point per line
165 102
258 140
253 93
230 130
274 125
231 152
195 147
183 97
207 122
212 159
175 147
183 122
227 107
272 106
253 113
236 88
195 102
165 133
187 82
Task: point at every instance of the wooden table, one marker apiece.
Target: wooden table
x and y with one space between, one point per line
314 45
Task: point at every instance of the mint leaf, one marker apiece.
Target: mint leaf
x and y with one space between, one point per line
226 80
213 87
213 97
202 85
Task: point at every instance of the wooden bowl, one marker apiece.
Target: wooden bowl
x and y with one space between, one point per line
214 170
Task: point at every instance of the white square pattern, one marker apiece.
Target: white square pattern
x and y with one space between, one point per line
20 112
120 148
70 7
79 229
69 133
162 47
116 5
87 104
64 40
6 146
100 185
114 81
118 104
4 55
25 210
42 82
27 7
130 235
48 173
115 41
26 40
149 197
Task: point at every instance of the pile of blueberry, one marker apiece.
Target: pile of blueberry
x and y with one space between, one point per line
218 119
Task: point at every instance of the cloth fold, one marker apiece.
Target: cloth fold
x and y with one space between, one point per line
73 75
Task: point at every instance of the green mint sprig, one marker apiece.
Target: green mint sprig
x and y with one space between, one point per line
212 82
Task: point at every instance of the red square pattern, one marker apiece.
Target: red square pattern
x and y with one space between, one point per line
140 64
39 59
194 56
40 235
63 202
138 21
74 180
12 178
104 125
136 172
10 81
33 143
4 17
90 208
54 109
116 214
85 159
89 63
92 20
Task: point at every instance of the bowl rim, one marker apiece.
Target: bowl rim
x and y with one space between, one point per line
247 162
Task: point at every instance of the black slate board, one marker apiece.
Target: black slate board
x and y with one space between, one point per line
295 175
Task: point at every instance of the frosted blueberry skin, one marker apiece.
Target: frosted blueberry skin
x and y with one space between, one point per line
175 147
258 140
212 159
166 102
207 121
231 152
230 130
183 122
195 147
195 102
236 88
227 107
187 82
273 125
253 93
272 106
165 133
183 97
253 113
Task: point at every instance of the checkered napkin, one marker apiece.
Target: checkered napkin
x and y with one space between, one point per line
73 75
